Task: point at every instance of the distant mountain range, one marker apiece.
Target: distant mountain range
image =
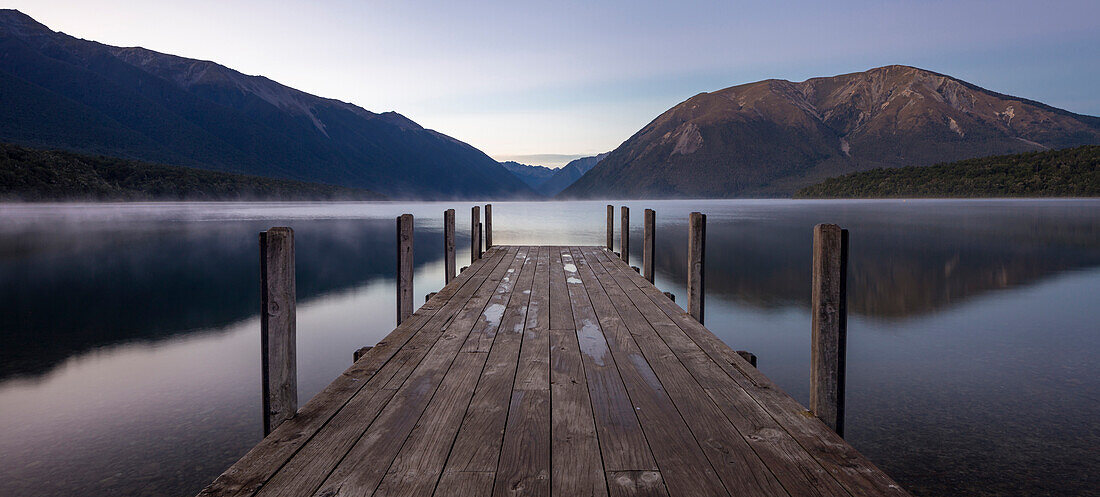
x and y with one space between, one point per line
773 137
549 181
57 91
533 176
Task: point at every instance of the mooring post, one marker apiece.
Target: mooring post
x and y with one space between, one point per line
748 356
488 226
404 267
448 245
277 327
648 244
610 227
829 305
697 239
475 232
624 238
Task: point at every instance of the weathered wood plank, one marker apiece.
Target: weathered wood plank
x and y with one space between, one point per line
624 237
636 484
449 246
622 441
404 267
485 330
477 446
466 484
649 244
366 462
735 462
696 282
561 314
488 226
828 305
850 468
419 464
680 457
278 338
533 370
302 474
524 468
577 465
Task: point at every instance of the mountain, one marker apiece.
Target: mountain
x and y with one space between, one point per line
57 91
29 174
1071 172
772 137
533 176
569 174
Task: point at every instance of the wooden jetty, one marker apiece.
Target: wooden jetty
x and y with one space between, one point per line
550 370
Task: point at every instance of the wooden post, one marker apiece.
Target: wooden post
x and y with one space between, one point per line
360 353
697 238
475 230
648 244
670 296
829 307
404 267
488 226
610 227
624 238
277 327
448 245
748 356
428 296
480 237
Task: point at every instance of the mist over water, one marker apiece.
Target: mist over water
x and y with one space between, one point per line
129 334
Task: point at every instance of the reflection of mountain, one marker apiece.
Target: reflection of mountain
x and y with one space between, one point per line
59 299
895 271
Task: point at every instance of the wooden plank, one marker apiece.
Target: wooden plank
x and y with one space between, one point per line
735 462
365 464
636 484
418 466
477 446
404 267
679 455
575 449
828 306
533 370
302 474
485 330
852 470
466 484
696 288
524 468
610 227
279 371
649 236
262 461
561 314
475 234
488 226
622 441
448 245
624 237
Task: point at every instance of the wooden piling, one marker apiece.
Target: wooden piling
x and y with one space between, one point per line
648 244
480 238
748 356
829 307
697 237
277 327
610 227
404 267
624 238
475 231
488 226
448 245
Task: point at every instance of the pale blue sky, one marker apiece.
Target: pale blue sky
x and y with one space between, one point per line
577 78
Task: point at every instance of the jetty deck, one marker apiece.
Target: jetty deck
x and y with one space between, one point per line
558 371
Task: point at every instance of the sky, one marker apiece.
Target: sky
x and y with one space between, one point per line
544 82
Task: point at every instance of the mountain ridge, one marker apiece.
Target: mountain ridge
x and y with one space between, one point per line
58 91
771 137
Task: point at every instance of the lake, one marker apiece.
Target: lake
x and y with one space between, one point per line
130 347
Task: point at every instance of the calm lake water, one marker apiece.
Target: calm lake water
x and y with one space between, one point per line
129 336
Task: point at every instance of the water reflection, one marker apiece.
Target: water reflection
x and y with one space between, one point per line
129 343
